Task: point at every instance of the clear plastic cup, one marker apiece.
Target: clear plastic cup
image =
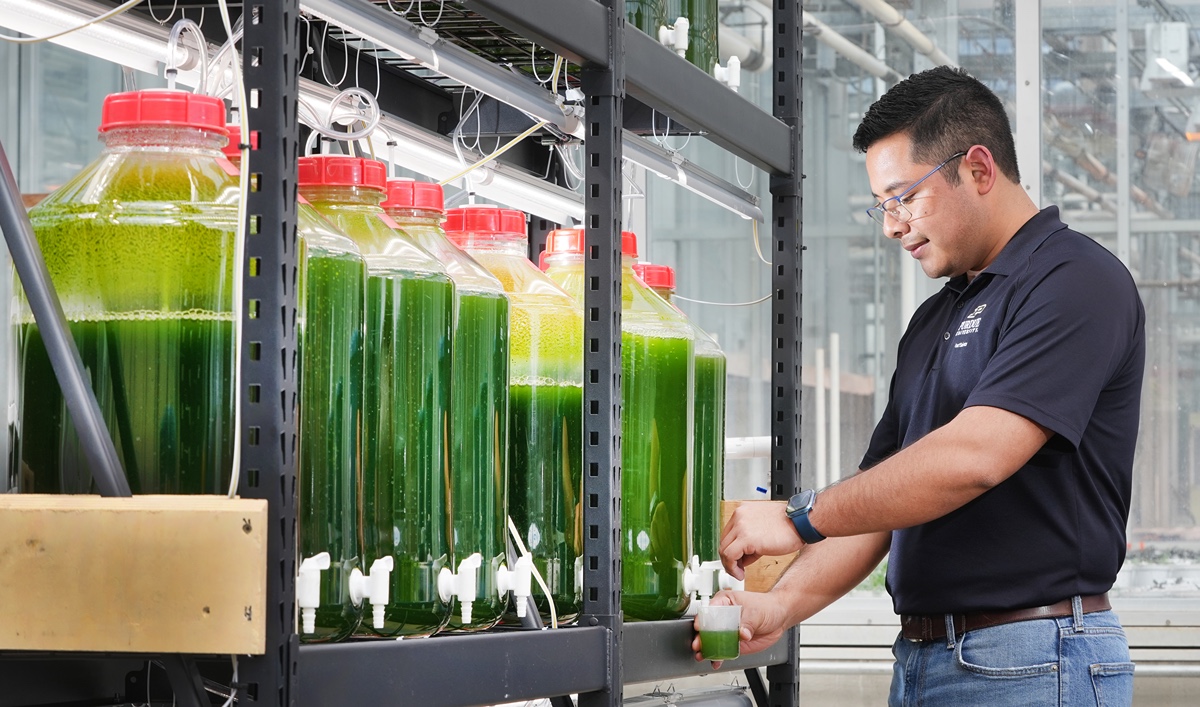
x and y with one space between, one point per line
720 631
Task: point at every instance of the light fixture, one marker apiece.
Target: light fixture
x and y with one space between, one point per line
423 45
1174 71
115 40
431 154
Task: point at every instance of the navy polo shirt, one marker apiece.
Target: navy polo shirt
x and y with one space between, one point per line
1054 331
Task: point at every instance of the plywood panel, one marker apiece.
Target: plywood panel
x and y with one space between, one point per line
761 575
146 574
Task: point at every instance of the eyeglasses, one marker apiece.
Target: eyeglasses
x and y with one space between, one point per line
895 206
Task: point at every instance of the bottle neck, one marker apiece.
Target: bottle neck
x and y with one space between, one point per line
493 243
664 292
159 136
350 196
577 259
416 217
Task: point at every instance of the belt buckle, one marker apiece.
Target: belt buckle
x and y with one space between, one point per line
925 626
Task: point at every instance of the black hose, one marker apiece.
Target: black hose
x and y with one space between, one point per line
52 325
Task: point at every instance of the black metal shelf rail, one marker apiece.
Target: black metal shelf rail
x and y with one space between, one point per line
271 67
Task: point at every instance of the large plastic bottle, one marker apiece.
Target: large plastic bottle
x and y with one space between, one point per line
709 442
545 451
478 400
657 375
140 246
329 375
405 474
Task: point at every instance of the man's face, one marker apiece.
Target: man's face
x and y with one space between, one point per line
941 232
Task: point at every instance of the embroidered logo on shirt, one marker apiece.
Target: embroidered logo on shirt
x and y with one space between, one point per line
970 325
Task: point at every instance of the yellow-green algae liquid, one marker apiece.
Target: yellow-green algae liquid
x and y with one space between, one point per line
545 452
657 371
405 479
478 414
140 248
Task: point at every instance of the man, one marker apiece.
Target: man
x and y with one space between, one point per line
999 476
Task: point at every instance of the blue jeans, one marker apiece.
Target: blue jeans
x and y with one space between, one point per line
1069 662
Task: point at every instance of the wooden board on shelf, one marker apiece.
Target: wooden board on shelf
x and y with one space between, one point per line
170 574
761 575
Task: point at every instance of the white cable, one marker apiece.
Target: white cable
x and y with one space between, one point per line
106 16
150 6
345 66
232 683
369 116
421 13
760 300
738 177
239 252
757 246
516 535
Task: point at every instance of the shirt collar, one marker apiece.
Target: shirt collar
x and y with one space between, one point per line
1024 242
1027 239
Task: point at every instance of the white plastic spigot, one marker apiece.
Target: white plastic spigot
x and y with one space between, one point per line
727 581
461 585
675 36
730 74
701 579
519 581
375 587
308 590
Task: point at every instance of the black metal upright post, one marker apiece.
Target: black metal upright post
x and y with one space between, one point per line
604 88
271 54
787 237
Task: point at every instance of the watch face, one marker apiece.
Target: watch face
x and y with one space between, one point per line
800 502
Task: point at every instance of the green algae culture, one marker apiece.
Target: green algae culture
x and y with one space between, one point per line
140 248
329 381
406 394
709 435
657 398
720 645
545 450
478 400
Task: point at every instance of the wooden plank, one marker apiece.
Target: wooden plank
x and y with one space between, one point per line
761 575
163 574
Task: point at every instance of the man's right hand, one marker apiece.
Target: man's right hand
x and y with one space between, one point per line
763 621
755 529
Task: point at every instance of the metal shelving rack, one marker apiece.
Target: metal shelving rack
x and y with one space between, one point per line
596 658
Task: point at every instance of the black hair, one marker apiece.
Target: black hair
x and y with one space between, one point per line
945 110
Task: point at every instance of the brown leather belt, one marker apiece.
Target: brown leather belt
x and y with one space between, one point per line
931 627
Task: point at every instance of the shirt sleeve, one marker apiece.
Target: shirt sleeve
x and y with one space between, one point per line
885 440
1068 332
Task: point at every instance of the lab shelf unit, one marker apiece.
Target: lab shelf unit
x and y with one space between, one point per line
596 658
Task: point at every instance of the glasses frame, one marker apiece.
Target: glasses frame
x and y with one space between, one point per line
900 212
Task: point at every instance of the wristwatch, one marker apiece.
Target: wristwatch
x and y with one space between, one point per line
797 510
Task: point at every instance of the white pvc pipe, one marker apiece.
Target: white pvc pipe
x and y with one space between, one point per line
819 433
835 408
856 54
747 447
895 22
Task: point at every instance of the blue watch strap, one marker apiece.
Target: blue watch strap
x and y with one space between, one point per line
798 510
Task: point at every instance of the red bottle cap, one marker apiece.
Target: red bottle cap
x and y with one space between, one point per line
342 171
411 194
235 140
660 277
484 218
570 240
162 107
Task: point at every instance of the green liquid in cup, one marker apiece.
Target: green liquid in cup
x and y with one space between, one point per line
719 645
